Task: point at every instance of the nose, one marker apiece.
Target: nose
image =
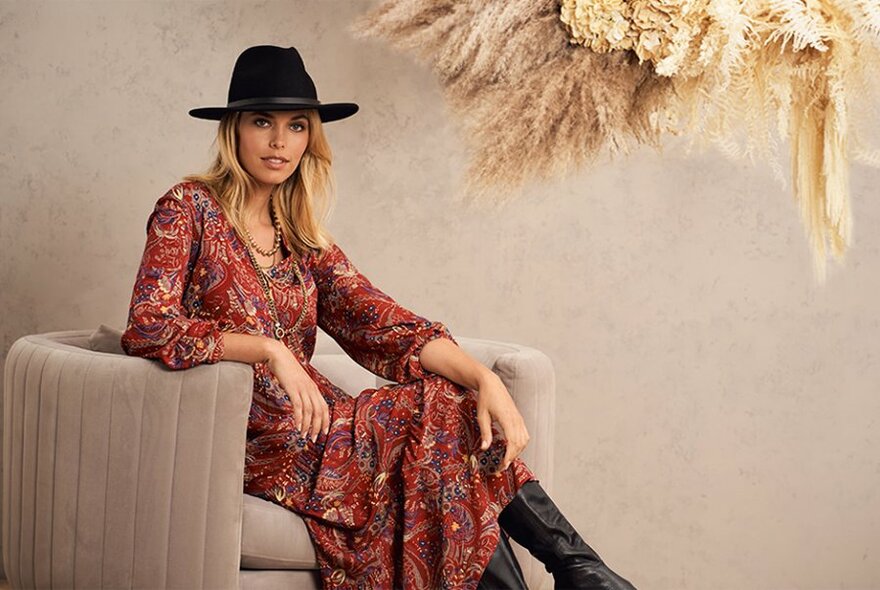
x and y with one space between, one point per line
277 141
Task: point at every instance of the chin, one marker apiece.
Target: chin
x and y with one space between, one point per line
273 179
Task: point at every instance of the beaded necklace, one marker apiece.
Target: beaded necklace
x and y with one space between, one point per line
276 225
278 330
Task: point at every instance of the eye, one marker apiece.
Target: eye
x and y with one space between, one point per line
297 126
259 122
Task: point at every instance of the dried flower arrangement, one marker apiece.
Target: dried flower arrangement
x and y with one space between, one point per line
743 74
501 61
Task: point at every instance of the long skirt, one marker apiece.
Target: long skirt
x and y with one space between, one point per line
399 494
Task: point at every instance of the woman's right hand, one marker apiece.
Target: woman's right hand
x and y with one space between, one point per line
310 411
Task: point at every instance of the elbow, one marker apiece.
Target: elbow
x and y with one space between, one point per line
138 340
129 341
143 339
178 345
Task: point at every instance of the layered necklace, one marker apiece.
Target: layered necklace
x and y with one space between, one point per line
277 244
278 331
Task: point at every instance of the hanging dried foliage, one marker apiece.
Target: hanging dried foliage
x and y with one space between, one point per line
748 74
598 75
506 64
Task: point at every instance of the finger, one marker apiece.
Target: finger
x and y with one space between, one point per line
519 436
522 440
317 416
509 455
309 417
322 414
326 418
515 442
516 450
297 409
485 423
306 415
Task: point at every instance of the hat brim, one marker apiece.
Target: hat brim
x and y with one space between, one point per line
327 112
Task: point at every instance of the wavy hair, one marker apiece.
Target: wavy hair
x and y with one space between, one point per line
303 202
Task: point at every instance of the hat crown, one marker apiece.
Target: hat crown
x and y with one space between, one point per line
270 71
270 78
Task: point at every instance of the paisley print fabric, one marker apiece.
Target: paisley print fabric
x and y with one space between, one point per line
398 494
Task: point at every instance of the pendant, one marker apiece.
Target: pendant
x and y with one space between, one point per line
279 332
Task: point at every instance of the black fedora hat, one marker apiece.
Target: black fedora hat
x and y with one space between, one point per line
269 78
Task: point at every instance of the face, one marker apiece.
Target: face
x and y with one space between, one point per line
271 144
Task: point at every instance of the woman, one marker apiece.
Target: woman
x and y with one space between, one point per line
238 266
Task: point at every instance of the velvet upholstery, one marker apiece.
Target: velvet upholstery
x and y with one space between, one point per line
121 473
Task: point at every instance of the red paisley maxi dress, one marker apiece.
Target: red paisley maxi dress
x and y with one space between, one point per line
398 494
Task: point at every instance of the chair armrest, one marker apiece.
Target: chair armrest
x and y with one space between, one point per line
529 377
118 472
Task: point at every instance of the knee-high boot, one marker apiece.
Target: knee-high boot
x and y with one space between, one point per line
533 520
503 571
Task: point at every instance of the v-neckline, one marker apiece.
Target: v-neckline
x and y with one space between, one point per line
239 244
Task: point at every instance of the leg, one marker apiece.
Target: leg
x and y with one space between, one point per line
503 571
534 521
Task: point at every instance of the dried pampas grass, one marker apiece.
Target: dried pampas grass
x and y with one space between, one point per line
503 61
750 74
598 76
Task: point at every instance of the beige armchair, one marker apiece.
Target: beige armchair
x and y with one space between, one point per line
118 473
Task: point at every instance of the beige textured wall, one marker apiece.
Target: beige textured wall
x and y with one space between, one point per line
718 421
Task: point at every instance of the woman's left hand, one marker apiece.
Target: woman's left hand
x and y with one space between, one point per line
494 402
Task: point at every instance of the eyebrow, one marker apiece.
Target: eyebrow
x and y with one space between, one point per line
270 116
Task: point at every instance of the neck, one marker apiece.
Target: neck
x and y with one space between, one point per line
257 207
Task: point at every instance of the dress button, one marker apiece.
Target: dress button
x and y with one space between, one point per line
338 576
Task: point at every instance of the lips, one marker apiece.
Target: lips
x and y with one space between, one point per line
275 163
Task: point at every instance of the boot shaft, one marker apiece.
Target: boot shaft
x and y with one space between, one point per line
535 522
503 571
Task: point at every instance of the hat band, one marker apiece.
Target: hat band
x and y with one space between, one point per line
245 102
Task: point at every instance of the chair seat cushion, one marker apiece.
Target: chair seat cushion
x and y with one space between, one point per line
273 537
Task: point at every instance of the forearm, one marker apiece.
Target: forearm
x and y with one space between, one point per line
250 349
444 357
309 409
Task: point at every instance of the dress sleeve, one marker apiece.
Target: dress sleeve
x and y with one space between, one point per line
370 326
158 324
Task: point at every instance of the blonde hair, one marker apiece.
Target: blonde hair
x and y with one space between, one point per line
302 202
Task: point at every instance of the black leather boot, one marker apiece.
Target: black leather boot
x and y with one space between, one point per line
533 520
503 571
